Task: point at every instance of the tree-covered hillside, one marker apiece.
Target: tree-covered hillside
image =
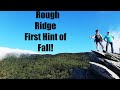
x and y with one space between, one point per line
59 66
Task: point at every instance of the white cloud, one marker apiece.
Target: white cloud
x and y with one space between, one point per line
116 41
4 51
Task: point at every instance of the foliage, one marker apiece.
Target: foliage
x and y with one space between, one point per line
57 66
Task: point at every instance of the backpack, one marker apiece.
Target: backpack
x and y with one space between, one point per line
98 38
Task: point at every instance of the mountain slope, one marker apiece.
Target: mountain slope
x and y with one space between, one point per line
59 66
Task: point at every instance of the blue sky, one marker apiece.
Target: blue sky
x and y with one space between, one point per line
79 26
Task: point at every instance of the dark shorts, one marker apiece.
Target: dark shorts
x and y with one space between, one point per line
98 42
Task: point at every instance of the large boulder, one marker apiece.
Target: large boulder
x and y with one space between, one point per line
103 71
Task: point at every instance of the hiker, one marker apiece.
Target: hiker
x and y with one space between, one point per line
98 40
109 39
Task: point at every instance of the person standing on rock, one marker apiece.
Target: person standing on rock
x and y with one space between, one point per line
98 40
109 39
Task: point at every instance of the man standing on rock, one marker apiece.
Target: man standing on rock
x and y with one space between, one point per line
109 39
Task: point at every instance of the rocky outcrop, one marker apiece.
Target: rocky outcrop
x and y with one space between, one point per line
107 62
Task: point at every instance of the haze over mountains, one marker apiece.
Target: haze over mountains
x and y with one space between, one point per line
4 52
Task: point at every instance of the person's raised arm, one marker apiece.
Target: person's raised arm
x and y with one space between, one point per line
92 36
